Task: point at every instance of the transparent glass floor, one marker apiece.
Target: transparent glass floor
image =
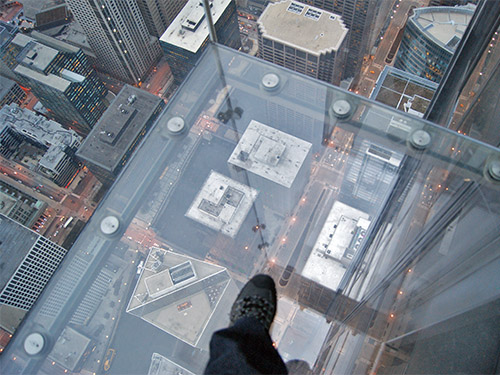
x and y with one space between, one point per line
380 229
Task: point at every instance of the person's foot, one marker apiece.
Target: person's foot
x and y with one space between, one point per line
257 300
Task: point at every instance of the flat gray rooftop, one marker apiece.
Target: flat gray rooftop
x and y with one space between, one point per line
304 27
15 243
118 127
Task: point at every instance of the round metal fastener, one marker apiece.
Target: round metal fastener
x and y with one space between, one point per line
341 108
34 343
420 139
494 169
270 81
109 225
176 125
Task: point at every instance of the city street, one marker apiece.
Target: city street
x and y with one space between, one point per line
372 69
159 79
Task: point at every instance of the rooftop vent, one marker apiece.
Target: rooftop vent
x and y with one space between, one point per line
295 8
313 14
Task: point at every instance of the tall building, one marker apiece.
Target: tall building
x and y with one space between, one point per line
430 38
302 38
158 14
28 261
21 207
60 76
119 37
187 36
7 33
119 131
45 14
43 145
10 92
358 16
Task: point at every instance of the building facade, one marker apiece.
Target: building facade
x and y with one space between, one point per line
10 92
186 38
119 37
304 39
28 263
7 33
40 144
46 14
158 14
118 133
430 38
60 76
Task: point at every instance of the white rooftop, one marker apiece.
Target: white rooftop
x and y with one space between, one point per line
189 29
307 28
445 25
222 204
193 292
270 153
335 236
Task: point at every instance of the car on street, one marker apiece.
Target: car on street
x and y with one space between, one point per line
285 276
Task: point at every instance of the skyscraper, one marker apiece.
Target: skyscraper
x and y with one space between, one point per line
158 14
28 262
10 92
119 37
302 38
431 36
358 16
186 38
59 75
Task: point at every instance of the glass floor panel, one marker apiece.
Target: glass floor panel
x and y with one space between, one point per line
380 229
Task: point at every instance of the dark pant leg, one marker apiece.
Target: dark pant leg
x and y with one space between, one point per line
245 348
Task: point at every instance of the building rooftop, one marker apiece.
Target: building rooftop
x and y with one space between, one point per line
327 262
161 365
36 55
46 133
178 294
69 348
270 153
302 26
444 25
189 29
222 204
118 127
404 91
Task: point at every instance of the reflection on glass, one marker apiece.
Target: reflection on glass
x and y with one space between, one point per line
361 214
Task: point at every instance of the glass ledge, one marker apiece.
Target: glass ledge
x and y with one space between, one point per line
380 229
